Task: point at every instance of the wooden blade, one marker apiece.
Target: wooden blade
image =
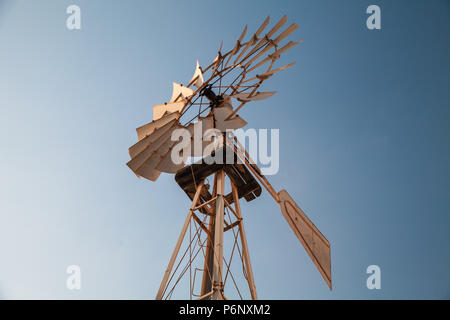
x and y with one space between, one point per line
216 62
263 26
315 244
282 50
254 97
222 113
274 55
149 169
266 38
259 54
144 143
142 150
197 145
237 47
248 45
167 165
144 163
197 131
270 73
243 34
180 91
286 33
254 39
150 127
277 27
161 109
197 79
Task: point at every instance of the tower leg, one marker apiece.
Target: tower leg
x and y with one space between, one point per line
217 283
209 254
245 252
163 285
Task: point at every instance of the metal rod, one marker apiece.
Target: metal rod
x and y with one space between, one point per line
234 224
203 297
248 265
205 203
254 168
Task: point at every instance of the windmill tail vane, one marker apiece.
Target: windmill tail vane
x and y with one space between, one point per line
208 106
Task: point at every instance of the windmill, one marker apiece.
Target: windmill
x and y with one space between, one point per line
205 104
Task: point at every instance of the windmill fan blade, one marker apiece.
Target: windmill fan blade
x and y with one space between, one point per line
256 57
149 169
216 62
248 45
161 109
288 46
270 73
219 57
254 38
180 91
254 97
275 42
262 26
237 47
195 147
197 131
144 150
278 69
137 150
167 164
149 128
266 38
222 113
277 26
275 55
148 172
286 33
315 244
197 79
243 34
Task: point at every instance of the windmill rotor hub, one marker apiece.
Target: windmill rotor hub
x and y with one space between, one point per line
208 93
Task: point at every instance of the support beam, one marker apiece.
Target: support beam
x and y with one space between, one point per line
218 239
199 222
208 265
231 226
245 252
205 203
205 296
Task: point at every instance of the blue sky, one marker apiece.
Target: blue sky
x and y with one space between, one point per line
364 119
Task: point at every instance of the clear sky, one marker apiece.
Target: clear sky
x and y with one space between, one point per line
364 119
